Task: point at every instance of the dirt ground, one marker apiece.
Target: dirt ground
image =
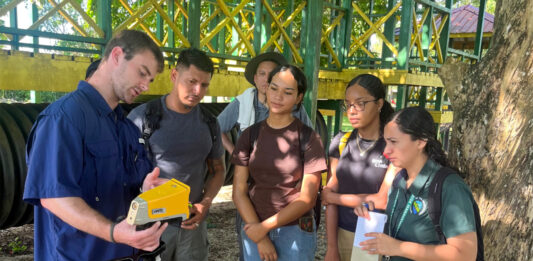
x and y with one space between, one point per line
17 243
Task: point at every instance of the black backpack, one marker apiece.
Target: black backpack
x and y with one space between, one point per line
153 115
304 138
435 208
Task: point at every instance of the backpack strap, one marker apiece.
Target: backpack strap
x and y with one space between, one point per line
211 122
154 113
254 134
435 210
479 233
344 141
304 141
435 200
152 117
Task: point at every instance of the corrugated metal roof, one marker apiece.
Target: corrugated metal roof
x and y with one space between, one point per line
464 20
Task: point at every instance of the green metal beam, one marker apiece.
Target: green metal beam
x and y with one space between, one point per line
389 34
266 30
159 31
258 21
344 37
171 43
34 18
52 47
212 24
303 32
195 14
439 99
287 53
36 33
184 21
445 34
235 37
478 44
312 56
103 19
404 52
427 35
13 23
370 12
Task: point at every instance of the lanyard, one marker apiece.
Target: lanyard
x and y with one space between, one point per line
404 214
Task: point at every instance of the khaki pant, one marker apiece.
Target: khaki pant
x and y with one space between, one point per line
349 252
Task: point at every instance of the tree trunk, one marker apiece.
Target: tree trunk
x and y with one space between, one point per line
492 138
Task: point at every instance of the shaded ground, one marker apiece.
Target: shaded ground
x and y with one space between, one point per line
17 243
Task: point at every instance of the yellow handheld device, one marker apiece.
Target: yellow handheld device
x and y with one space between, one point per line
167 201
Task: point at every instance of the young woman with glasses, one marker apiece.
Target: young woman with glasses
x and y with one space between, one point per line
276 179
357 171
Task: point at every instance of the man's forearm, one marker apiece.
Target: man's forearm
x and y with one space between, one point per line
75 212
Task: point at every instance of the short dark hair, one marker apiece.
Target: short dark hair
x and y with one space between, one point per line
299 76
92 68
133 42
198 58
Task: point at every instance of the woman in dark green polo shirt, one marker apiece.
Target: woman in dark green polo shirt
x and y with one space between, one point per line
412 145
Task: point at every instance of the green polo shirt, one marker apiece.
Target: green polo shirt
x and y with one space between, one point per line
457 212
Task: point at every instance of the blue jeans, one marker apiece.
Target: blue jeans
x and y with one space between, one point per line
291 244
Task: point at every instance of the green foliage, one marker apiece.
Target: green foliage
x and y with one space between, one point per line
490 5
8 96
14 96
16 246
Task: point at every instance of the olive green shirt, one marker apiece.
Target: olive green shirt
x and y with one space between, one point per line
457 208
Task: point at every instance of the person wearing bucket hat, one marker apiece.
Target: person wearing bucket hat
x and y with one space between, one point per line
250 107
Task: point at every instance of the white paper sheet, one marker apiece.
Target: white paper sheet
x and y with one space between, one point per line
375 224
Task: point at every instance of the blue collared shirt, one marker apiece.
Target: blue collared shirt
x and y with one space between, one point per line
79 147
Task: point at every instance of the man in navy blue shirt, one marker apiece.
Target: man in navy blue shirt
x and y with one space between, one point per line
85 162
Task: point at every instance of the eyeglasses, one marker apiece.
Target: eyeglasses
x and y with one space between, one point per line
358 106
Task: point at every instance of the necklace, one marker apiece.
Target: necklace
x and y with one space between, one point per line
361 151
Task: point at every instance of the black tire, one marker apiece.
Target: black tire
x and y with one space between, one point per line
7 179
31 112
17 146
24 123
39 106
